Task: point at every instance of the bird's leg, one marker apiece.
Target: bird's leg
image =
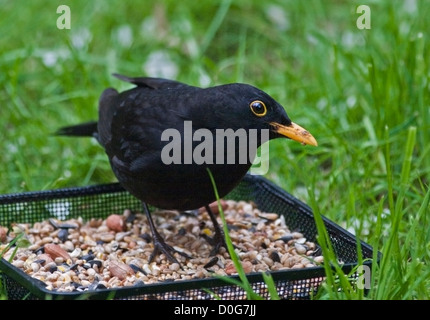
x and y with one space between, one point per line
159 244
218 240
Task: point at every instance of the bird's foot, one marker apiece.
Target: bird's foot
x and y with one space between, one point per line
160 246
217 241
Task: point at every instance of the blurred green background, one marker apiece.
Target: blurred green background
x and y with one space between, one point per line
357 91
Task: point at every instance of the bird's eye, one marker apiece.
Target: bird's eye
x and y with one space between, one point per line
258 108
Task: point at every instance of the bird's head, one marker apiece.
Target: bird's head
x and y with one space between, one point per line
244 106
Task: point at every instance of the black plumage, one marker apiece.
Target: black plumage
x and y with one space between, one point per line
130 129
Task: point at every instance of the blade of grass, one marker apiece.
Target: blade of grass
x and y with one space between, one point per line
244 280
416 241
330 260
388 170
215 25
406 167
353 213
3 292
375 246
9 245
268 279
392 260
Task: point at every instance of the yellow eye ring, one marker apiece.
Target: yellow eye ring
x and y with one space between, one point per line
258 108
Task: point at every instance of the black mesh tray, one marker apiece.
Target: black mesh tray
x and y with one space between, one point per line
100 201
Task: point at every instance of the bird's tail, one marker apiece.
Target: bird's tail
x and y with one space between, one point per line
88 129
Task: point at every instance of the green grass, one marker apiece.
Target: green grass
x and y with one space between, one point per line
364 95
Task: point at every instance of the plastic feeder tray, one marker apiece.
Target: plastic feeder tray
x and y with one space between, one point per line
100 201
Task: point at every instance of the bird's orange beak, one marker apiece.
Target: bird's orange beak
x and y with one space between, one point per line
294 132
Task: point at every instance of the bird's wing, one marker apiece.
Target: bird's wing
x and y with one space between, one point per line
107 108
152 83
131 122
110 101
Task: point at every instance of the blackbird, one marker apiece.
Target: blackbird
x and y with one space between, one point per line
162 135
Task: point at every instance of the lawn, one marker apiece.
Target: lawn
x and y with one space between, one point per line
363 93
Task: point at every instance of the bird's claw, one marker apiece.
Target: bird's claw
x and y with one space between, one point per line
160 246
217 241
